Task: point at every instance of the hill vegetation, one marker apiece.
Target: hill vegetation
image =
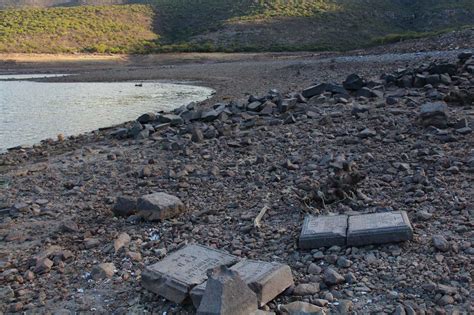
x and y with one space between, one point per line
227 25
100 29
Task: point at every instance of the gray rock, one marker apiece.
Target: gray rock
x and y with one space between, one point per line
353 82
366 92
103 271
301 308
6 293
173 120
287 104
399 310
255 106
344 307
125 206
266 279
306 289
433 79
440 243
442 68
343 262
210 115
135 130
379 228
314 90
227 294
175 275
147 118
323 231
314 269
367 133
419 81
331 277
445 300
197 135
159 206
434 114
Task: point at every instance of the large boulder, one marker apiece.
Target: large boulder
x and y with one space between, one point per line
159 206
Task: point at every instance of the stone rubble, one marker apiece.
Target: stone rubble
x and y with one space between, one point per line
334 149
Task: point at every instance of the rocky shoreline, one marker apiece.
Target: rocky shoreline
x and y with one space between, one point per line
397 142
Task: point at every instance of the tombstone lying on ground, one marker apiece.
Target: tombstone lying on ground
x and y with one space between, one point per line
323 231
379 228
184 272
355 230
175 275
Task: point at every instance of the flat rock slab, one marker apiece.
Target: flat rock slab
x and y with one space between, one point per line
379 228
355 230
323 231
266 279
175 275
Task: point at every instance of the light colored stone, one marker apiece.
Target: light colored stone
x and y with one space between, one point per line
159 206
301 308
379 228
323 231
331 277
43 265
121 241
306 289
175 275
102 271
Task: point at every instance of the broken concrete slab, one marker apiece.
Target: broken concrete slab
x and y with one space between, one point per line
227 294
379 228
266 279
175 275
159 206
323 231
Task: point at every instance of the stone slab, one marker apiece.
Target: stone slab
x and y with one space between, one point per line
266 279
175 275
379 228
323 231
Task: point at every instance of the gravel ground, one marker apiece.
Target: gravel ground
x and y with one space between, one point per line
60 194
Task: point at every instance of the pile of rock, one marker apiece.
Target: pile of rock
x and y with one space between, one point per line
439 82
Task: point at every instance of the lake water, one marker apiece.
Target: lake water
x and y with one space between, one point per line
32 111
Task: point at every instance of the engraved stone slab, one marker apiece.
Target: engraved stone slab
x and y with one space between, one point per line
379 228
175 275
323 231
266 279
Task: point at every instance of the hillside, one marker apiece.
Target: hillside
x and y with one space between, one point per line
79 29
225 25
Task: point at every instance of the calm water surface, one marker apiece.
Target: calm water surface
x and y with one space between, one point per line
33 111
